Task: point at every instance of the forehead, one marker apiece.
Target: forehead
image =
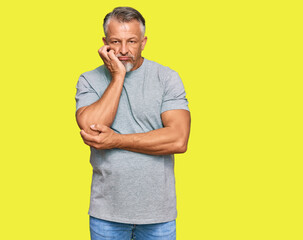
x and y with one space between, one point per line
123 29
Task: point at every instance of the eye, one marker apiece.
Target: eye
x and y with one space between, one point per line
115 42
131 41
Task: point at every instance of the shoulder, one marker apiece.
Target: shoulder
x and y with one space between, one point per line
164 73
97 78
161 69
95 74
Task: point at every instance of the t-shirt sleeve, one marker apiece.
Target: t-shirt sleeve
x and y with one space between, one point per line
85 94
174 94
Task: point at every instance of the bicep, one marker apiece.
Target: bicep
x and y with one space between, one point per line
179 120
85 94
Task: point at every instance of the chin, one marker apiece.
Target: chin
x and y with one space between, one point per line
128 66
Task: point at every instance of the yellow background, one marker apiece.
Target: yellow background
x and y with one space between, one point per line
241 64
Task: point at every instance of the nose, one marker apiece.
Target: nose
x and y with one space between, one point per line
124 49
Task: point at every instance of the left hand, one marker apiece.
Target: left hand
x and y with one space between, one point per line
107 138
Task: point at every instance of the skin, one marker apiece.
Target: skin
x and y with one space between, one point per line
126 39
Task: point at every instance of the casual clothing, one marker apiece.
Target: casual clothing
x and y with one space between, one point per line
131 187
103 230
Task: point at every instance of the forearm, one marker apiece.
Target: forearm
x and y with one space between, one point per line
161 141
104 110
170 139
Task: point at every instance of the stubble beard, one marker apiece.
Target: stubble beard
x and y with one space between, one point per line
128 65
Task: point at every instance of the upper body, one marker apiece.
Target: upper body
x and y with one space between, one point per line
133 187
141 118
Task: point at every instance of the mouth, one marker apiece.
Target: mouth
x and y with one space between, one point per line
124 58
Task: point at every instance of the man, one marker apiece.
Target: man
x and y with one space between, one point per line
134 115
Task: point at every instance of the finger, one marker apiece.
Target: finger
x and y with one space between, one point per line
104 52
112 56
95 131
88 137
100 49
98 127
111 53
104 47
91 144
94 127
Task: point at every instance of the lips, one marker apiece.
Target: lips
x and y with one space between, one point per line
124 58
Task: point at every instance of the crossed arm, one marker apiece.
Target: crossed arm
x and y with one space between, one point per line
96 131
96 119
170 139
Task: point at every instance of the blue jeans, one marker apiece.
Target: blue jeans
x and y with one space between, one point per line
106 230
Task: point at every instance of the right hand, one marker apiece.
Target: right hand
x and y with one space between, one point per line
110 60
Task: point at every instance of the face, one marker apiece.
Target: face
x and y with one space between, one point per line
127 41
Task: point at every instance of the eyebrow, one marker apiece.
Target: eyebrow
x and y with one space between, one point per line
115 38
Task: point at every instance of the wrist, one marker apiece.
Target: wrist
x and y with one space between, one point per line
118 140
118 77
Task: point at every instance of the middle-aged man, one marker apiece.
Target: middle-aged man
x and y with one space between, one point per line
134 115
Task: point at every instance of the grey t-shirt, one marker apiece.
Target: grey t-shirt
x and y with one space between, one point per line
132 187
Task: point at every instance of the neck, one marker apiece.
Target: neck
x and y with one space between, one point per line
139 63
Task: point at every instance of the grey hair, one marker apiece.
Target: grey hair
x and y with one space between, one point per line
124 14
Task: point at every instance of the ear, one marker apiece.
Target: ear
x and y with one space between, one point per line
143 42
104 41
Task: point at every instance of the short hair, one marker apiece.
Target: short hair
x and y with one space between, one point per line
124 14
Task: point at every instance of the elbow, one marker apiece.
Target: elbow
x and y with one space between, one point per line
80 122
181 147
81 118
